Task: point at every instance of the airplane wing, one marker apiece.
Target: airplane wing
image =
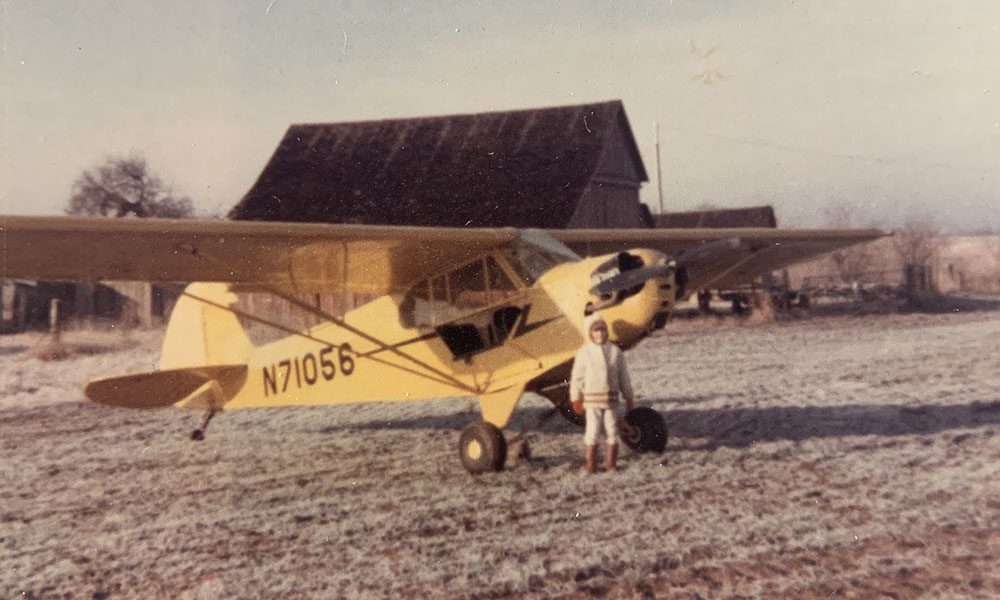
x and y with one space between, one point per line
720 258
294 257
372 259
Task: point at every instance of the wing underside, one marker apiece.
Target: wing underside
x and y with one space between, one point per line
293 257
370 259
721 258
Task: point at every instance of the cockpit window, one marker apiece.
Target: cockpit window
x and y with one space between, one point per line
468 286
535 252
500 284
464 290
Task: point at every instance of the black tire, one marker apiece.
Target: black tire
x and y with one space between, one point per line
482 448
647 431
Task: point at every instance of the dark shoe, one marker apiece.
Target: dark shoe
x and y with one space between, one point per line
611 457
590 454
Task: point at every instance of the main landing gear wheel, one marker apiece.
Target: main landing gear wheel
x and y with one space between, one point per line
645 430
482 448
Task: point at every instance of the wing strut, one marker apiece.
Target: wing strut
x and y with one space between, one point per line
441 377
341 323
729 270
382 345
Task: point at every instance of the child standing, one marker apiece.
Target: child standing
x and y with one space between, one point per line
599 377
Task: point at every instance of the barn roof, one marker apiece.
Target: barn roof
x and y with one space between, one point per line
524 168
753 216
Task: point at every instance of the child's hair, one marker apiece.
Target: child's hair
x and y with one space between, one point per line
592 321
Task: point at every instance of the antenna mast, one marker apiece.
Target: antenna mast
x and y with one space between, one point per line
659 174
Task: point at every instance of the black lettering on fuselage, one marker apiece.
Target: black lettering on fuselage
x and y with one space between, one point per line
270 381
308 368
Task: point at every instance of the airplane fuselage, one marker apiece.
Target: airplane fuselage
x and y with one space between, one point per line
481 345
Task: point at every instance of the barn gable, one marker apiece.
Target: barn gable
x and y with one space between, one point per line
526 168
754 216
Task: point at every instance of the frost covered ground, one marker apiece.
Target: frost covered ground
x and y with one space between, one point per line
835 457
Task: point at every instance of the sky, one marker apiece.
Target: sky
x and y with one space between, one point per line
877 112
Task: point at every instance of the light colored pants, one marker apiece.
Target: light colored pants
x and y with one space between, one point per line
600 419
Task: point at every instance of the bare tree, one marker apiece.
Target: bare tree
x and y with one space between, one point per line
994 246
124 186
917 243
853 262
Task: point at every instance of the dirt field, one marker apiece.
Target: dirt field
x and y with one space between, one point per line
837 457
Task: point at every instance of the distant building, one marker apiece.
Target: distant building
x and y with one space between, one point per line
754 216
561 167
26 304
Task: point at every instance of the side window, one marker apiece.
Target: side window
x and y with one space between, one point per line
500 285
465 290
441 309
468 287
427 304
415 310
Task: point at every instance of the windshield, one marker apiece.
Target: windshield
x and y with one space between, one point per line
535 252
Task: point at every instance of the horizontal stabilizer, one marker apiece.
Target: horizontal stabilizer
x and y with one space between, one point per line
157 389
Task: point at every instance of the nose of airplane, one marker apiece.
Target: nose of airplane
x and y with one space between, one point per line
624 275
630 279
621 289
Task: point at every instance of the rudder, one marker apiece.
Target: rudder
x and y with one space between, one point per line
202 331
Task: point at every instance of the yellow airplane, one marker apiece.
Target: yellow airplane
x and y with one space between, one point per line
490 313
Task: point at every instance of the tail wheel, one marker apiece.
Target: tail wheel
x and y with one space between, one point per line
482 448
645 430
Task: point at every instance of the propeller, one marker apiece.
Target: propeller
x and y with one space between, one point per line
706 251
630 279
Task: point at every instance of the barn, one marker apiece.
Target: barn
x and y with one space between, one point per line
557 167
751 216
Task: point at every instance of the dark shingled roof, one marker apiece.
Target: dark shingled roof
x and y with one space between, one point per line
524 168
754 216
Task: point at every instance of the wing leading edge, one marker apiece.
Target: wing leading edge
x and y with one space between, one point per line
721 258
371 259
294 257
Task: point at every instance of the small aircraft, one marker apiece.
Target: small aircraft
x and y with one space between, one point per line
490 313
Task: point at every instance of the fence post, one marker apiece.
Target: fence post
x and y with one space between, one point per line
54 318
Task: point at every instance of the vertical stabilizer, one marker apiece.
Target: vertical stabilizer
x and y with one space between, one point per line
202 332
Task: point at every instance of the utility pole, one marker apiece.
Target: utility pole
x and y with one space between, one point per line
659 173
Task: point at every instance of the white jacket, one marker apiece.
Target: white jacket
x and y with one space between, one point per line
600 375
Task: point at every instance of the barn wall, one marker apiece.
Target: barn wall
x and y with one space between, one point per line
607 205
966 263
611 199
616 164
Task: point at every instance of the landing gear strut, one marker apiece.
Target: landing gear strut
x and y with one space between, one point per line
559 395
199 434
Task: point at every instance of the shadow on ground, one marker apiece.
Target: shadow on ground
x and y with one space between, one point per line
740 428
11 350
689 429
948 303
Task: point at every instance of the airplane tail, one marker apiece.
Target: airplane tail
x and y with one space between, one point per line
203 363
202 331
